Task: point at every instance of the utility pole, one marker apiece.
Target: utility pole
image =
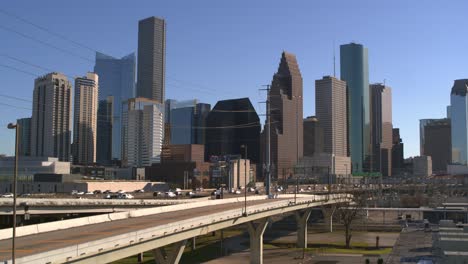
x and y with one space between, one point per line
267 145
15 179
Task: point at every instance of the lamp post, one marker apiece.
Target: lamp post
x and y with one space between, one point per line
245 179
15 177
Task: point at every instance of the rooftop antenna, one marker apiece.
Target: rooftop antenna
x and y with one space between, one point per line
334 67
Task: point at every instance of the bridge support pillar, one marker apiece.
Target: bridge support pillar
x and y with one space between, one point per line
328 216
256 240
140 258
302 218
161 256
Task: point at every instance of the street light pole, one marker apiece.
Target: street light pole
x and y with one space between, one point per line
245 179
15 178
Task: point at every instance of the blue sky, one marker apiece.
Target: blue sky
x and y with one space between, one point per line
228 49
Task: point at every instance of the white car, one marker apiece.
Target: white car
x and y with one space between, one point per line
7 195
89 193
140 191
80 193
171 194
238 192
74 192
125 196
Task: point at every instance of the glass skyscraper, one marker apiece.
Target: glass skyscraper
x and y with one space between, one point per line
116 79
355 71
459 116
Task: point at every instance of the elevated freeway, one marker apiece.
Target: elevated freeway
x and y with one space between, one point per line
110 237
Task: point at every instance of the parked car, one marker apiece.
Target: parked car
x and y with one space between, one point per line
125 196
97 192
107 191
140 191
171 194
7 195
80 193
25 195
237 192
156 194
74 192
89 193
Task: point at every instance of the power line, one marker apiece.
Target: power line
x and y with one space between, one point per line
44 43
18 70
46 30
33 65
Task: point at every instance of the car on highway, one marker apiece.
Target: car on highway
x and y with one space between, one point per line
7 195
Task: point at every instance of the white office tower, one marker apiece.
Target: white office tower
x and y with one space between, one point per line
142 132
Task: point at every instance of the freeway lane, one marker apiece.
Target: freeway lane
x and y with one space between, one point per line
43 242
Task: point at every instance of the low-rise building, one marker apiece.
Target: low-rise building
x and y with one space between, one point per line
422 166
28 166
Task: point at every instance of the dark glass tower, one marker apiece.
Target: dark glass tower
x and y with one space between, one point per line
116 79
286 119
355 71
151 59
230 124
459 117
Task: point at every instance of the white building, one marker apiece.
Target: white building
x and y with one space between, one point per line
85 119
142 132
51 117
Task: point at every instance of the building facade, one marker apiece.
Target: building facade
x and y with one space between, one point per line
330 109
422 166
313 136
51 117
381 105
398 159
24 146
285 118
231 124
116 80
142 132
438 144
459 117
85 119
422 125
151 59
355 72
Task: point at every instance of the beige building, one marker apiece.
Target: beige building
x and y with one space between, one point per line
330 110
142 132
85 119
324 163
51 117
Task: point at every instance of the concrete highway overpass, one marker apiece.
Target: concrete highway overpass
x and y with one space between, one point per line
110 237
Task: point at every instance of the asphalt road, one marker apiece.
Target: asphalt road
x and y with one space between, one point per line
29 245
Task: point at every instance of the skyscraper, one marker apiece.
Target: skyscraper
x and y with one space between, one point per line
24 147
313 136
286 133
459 117
85 119
105 126
231 124
381 103
116 79
355 71
330 109
142 132
151 59
438 144
422 125
397 152
51 117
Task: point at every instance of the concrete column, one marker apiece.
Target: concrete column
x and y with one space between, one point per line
256 240
302 218
140 258
161 256
328 216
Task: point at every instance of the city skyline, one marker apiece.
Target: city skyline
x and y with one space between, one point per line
404 86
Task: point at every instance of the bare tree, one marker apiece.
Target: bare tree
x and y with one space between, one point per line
349 212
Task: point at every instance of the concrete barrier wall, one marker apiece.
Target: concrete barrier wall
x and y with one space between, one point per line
82 221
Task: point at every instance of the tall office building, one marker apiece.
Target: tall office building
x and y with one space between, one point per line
381 103
398 159
51 117
355 72
313 137
24 147
142 132
438 144
105 126
186 120
330 109
286 133
151 59
231 124
459 117
85 119
116 79
422 125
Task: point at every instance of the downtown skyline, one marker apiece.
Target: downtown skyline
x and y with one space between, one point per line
187 63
